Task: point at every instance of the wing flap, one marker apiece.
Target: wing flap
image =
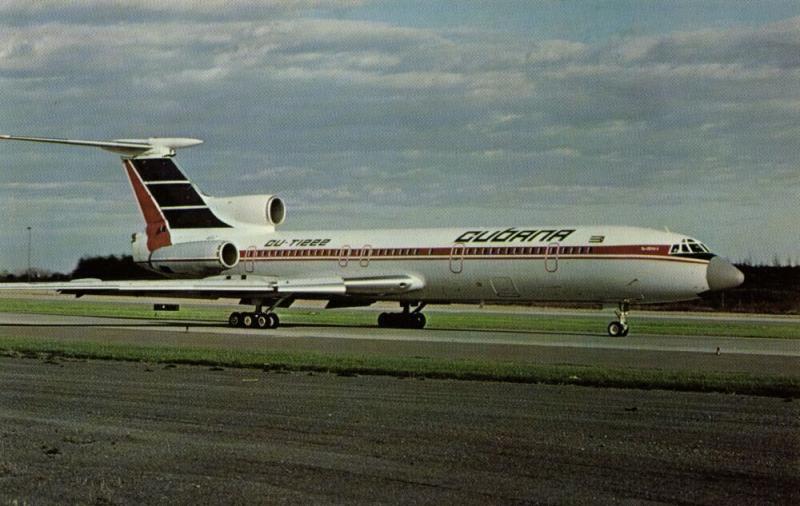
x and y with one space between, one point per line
383 285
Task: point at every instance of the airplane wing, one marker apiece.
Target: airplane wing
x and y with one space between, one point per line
238 286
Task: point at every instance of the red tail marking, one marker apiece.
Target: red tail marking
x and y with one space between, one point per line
157 231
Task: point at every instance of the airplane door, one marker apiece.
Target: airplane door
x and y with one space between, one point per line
551 257
250 259
457 258
366 251
344 255
504 287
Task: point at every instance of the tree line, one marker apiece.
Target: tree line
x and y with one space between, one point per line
109 268
766 289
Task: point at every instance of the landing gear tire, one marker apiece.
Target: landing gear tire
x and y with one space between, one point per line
262 321
617 329
235 319
274 321
248 320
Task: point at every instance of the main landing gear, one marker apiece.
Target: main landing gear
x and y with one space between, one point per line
620 326
406 320
256 320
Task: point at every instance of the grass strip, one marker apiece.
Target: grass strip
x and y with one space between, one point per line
417 367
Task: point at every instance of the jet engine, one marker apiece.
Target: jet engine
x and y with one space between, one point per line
201 258
250 209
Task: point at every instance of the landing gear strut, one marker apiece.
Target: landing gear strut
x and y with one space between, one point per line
257 319
406 320
620 326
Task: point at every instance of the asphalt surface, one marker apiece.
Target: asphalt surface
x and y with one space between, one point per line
93 432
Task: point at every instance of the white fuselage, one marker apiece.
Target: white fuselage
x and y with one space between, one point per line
561 263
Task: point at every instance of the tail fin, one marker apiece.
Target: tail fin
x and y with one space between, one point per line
167 199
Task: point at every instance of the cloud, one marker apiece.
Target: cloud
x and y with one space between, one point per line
110 11
58 186
777 45
554 51
335 112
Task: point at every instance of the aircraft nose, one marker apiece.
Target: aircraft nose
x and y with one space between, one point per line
721 274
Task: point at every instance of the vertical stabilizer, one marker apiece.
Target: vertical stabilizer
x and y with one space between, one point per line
168 200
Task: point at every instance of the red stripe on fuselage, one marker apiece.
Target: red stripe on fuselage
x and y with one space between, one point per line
627 252
156 226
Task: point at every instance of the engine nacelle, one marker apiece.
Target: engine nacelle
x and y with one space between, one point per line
201 258
251 209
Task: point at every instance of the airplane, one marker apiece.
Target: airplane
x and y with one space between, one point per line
230 247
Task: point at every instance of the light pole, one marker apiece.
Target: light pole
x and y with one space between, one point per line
29 254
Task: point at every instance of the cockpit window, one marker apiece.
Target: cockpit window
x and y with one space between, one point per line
689 246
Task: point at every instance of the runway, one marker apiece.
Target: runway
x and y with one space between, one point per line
753 355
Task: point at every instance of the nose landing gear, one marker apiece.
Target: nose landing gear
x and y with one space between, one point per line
620 328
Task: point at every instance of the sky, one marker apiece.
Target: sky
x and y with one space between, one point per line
378 114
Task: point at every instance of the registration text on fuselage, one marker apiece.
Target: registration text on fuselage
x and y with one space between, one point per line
296 243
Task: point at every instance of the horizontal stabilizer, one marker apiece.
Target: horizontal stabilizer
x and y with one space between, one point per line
152 147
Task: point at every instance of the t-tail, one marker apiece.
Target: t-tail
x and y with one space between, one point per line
186 231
